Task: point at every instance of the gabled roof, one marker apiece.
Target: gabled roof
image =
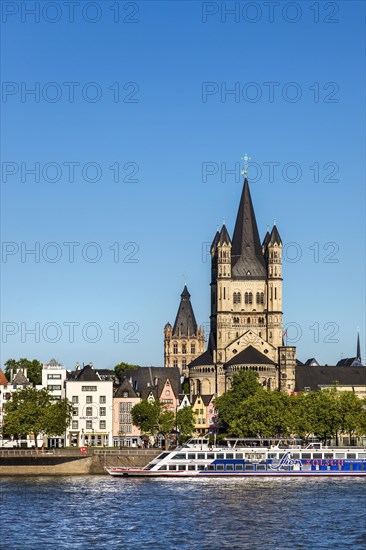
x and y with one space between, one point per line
3 379
53 363
250 356
185 319
205 359
349 362
87 374
312 361
247 260
275 236
317 376
20 379
125 386
146 380
224 236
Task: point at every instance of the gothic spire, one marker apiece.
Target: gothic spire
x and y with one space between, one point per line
358 353
185 321
246 254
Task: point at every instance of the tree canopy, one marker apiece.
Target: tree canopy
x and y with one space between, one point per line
121 367
34 369
34 411
185 422
152 418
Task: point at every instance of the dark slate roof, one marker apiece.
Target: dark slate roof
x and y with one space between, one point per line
146 380
216 240
247 260
207 399
125 386
224 236
311 360
107 374
87 374
185 319
349 362
275 236
205 359
250 356
53 363
266 240
298 362
314 377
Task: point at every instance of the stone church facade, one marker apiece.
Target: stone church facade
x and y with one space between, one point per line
246 309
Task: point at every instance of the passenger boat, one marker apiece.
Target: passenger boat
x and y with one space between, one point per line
252 457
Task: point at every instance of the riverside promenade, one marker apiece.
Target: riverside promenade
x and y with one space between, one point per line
84 461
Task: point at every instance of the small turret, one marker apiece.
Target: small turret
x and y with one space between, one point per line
224 254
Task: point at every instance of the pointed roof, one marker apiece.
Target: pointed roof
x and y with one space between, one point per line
125 386
87 374
185 319
224 236
275 236
20 379
3 379
358 352
205 359
216 240
246 254
266 240
250 356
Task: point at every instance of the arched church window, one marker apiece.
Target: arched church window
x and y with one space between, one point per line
260 297
248 320
184 348
193 348
184 363
236 297
248 298
175 348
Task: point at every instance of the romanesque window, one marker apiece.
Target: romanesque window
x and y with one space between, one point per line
184 348
260 297
175 347
236 297
236 320
248 320
193 348
248 298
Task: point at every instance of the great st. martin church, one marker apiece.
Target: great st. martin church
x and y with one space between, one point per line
246 313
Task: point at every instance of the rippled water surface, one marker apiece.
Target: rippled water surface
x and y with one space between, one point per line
103 512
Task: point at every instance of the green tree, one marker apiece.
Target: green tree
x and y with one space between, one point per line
245 384
185 422
351 412
326 414
122 367
32 411
152 418
34 369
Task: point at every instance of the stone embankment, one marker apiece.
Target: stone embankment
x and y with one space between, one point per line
71 461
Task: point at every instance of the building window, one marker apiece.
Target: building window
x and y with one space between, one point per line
248 320
184 364
125 407
237 298
193 348
53 388
88 388
89 411
260 297
89 399
184 348
75 399
125 394
102 411
54 376
89 425
248 298
175 363
102 399
175 348
167 392
102 424
275 293
75 425
75 411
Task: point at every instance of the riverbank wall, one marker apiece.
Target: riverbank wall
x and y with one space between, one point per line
71 462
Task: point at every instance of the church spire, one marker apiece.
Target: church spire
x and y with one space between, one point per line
185 321
358 353
246 253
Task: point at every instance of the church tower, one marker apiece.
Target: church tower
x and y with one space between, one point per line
185 340
246 306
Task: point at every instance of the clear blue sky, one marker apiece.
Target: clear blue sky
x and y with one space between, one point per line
169 125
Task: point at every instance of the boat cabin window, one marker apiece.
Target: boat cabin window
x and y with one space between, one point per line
317 455
306 455
210 456
201 456
295 455
162 467
351 455
328 455
200 467
219 467
272 455
172 467
220 455
191 467
239 456
261 467
211 467
181 467
361 455
239 467
229 467
340 455
229 456
191 456
249 467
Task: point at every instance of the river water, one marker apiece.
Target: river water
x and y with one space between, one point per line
102 512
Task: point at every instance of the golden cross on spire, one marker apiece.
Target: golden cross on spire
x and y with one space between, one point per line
246 158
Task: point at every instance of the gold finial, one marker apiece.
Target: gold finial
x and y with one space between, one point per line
246 158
